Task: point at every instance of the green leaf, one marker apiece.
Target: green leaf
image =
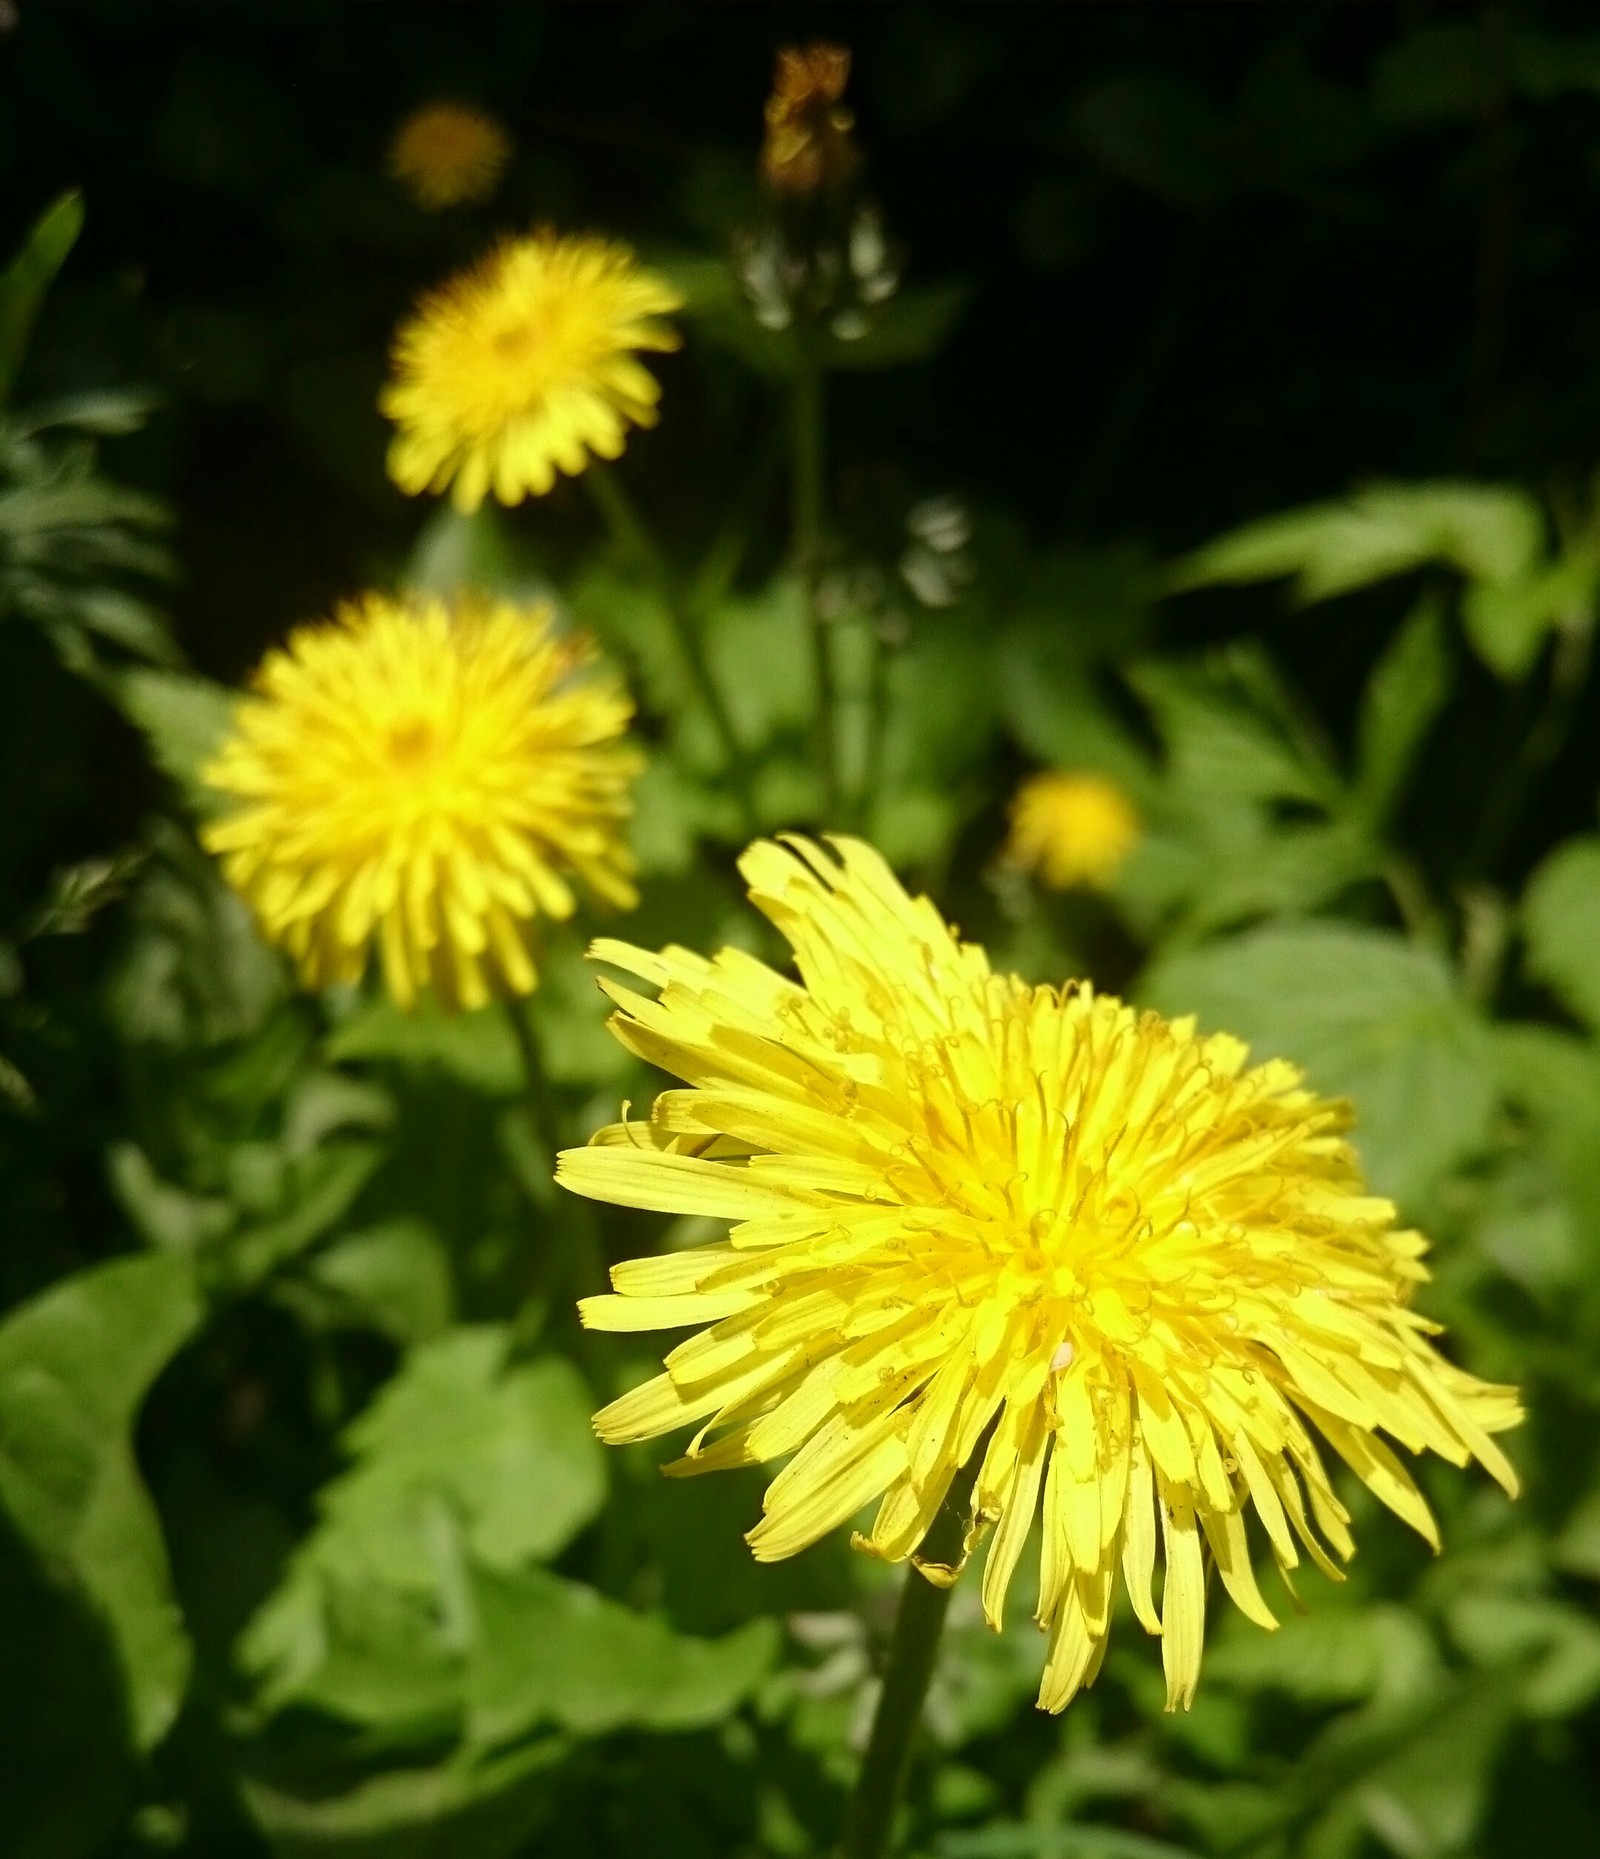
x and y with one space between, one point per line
196 973
29 275
75 1365
1230 733
550 1651
1408 688
1508 621
481 553
1085 1841
1368 1015
1553 1078
912 325
1486 532
394 1277
1577 1548
463 1461
1561 926
1335 1655
184 720
315 1192
67 1765
477 1049
486 1808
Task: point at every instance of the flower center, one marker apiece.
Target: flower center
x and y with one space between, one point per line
413 745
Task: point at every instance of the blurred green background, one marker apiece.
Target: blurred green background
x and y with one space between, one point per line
1168 271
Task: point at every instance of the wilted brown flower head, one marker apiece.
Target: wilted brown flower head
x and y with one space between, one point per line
808 145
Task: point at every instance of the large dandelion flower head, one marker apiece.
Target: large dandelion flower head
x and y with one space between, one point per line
428 778
1143 1282
1072 829
526 366
446 153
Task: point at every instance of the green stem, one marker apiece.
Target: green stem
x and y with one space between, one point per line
877 727
635 541
913 1652
541 1100
1567 681
808 466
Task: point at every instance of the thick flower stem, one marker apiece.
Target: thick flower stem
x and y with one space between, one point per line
913 1652
635 541
808 466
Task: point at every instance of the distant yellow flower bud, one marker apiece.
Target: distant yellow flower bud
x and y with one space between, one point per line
446 153
1072 829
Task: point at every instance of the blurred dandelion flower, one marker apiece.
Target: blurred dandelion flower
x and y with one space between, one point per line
1072 829
969 1209
446 153
808 142
426 778
525 366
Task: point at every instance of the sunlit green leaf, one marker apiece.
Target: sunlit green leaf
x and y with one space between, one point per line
1367 1014
1486 532
1561 922
29 275
75 1366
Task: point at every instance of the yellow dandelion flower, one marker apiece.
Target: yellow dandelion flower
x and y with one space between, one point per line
1073 829
446 153
808 142
525 366
1033 1224
426 778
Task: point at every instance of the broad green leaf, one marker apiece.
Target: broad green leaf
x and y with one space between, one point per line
1223 722
1056 715
1368 1015
478 1049
314 1192
195 973
1557 1643
480 554
1508 621
1334 1655
1561 925
184 720
105 412
394 1277
554 1652
1084 1841
1191 878
483 1808
1553 1078
75 1365
1429 1795
465 1460
570 1013
1486 532
29 275
67 1767
1408 688
1577 1548
760 656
